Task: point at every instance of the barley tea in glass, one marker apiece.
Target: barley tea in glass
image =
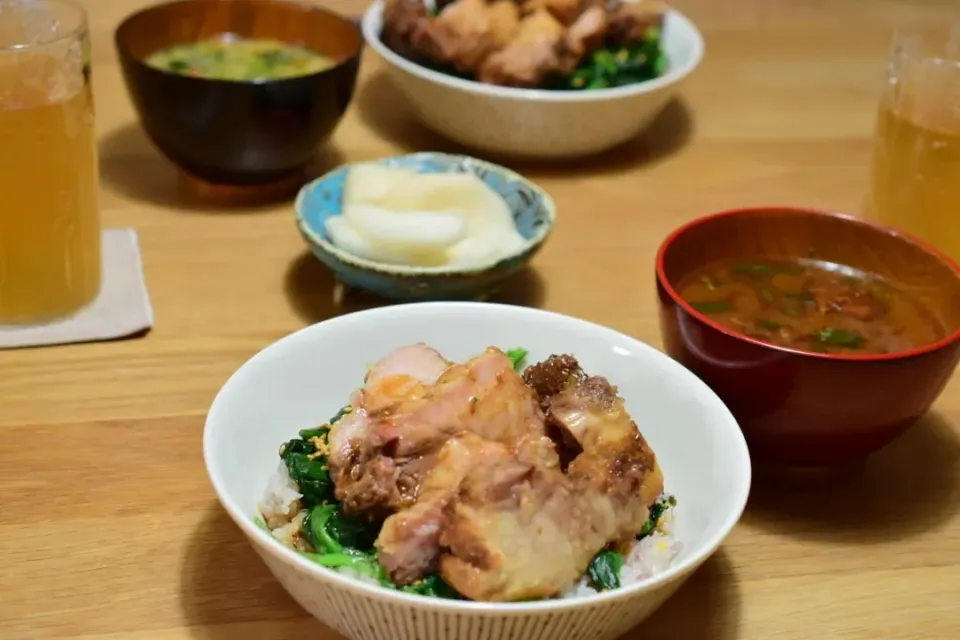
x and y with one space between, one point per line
49 222
915 182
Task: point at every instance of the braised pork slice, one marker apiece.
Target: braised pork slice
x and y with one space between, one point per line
412 402
539 536
522 541
409 542
616 459
459 461
484 396
365 479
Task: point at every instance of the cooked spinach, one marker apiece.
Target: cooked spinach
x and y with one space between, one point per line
365 564
433 586
657 509
307 466
330 531
604 570
310 473
517 356
620 66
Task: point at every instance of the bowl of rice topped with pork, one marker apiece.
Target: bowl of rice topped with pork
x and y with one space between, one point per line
480 470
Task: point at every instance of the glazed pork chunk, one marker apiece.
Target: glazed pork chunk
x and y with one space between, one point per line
458 460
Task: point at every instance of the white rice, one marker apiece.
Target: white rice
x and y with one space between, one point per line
649 557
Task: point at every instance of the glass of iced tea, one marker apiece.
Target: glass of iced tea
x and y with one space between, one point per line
916 159
49 222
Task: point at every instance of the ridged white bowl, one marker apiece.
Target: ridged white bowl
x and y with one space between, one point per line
304 378
537 123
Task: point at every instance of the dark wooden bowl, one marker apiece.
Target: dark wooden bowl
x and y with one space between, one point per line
239 132
800 409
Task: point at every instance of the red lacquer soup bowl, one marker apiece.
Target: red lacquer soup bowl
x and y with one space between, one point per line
800 408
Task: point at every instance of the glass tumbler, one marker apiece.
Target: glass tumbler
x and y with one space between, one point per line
49 222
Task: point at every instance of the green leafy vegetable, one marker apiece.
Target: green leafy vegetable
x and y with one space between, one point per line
178 66
517 356
769 325
260 522
657 509
712 306
433 586
311 474
308 467
617 67
363 563
604 570
330 531
839 337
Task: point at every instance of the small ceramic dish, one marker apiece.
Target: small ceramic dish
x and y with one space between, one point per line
802 409
533 213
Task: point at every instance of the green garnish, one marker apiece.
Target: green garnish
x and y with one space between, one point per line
604 570
712 306
838 337
517 356
657 509
769 325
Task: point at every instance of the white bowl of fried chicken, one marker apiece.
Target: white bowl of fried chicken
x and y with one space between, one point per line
470 471
535 78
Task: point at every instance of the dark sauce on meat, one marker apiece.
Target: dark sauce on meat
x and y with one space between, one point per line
812 306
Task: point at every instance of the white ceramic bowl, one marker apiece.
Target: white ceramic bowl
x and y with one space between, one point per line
302 379
536 123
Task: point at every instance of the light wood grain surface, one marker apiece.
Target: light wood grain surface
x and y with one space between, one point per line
109 529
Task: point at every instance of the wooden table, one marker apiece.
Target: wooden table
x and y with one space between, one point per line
109 528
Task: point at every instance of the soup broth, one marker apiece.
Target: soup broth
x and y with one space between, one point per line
812 306
231 58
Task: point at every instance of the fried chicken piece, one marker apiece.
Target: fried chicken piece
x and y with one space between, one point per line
465 33
533 54
585 35
504 21
629 21
566 11
403 23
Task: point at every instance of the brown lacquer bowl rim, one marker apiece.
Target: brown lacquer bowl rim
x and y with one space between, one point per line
804 211
346 22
